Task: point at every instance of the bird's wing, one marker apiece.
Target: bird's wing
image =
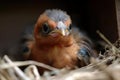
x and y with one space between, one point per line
26 41
86 50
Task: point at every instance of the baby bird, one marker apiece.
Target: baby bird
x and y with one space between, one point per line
55 42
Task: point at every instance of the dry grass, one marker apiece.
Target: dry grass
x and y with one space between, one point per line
105 67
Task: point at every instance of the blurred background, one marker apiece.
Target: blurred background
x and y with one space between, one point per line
89 15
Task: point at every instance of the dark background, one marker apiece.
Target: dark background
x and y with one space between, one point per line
88 15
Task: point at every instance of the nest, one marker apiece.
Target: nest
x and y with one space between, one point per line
105 67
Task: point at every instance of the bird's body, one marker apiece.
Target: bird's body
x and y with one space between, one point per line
56 56
56 44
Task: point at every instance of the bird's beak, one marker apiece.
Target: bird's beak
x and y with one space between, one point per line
61 29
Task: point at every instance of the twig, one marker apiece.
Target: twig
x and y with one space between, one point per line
32 72
23 63
4 76
114 49
96 63
17 70
104 38
11 73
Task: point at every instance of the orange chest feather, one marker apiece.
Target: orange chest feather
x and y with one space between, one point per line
55 56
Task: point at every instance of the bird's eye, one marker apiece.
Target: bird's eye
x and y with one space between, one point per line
45 28
70 27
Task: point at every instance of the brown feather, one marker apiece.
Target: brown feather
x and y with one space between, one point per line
58 52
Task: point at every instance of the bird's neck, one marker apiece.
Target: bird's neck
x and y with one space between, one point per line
62 43
49 46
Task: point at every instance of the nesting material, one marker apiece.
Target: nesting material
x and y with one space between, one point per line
105 67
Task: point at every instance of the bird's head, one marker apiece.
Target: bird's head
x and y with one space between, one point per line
53 27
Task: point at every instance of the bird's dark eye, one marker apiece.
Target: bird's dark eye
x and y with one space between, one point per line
70 27
45 28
